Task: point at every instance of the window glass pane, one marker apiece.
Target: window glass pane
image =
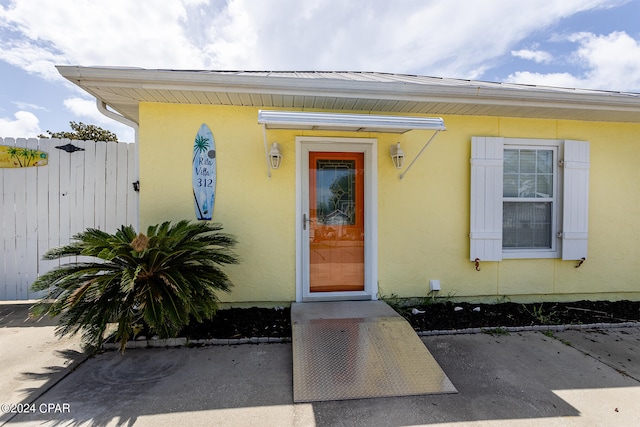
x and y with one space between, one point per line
527 186
542 235
545 161
527 161
526 225
335 192
511 164
528 173
510 185
544 186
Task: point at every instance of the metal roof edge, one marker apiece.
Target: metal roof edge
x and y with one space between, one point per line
469 91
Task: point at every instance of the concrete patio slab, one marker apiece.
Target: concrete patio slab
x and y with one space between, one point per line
528 379
618 348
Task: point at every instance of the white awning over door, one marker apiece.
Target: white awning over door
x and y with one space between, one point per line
346 122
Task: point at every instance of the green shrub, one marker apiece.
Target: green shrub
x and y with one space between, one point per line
160 278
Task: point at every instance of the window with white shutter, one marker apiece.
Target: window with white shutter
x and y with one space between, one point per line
529 198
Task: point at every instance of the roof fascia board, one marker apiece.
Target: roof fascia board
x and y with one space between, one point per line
475 94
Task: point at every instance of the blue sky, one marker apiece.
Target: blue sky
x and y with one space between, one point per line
591 44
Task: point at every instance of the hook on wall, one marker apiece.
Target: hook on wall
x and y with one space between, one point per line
580 261
477 263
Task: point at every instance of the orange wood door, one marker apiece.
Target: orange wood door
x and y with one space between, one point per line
336 226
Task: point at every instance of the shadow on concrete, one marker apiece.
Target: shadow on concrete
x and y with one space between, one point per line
14 315
53 374
120 388
30 386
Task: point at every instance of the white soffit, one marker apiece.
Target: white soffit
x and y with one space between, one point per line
346 122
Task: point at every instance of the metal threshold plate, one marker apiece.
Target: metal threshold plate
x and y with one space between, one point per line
353 350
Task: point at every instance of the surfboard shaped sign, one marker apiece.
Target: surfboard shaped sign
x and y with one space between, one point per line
204 173
18 157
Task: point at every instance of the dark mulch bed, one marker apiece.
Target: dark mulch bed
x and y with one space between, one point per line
265 322
243 323
449 315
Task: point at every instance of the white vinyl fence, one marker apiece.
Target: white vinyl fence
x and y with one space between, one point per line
43 207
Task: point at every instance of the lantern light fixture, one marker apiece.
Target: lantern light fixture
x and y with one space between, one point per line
397 155
275 155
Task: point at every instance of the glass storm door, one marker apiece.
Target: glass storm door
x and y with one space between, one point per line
336 222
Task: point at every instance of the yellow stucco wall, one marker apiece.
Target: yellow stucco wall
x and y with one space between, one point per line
423 220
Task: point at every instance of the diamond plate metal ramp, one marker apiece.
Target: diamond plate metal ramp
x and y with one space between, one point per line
359 349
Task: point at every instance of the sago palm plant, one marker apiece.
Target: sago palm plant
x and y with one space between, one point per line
161 278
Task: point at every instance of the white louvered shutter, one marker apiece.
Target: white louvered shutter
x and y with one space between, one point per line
575 206
486 198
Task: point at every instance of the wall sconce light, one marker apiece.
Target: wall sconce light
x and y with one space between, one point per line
275 155
397 155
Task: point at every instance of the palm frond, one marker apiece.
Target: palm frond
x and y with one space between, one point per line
165 277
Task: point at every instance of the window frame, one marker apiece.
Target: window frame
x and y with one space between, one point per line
556 146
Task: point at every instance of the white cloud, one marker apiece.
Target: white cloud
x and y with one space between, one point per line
454 38
613 60
538 56
25 125
87 111
28 106
545 79
31 57
610 62
442 37
119 32
85 108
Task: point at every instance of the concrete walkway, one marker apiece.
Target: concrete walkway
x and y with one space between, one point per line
32 359
530 379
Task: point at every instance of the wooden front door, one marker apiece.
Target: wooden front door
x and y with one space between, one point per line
336 222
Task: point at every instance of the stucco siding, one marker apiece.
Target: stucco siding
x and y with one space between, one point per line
423 219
